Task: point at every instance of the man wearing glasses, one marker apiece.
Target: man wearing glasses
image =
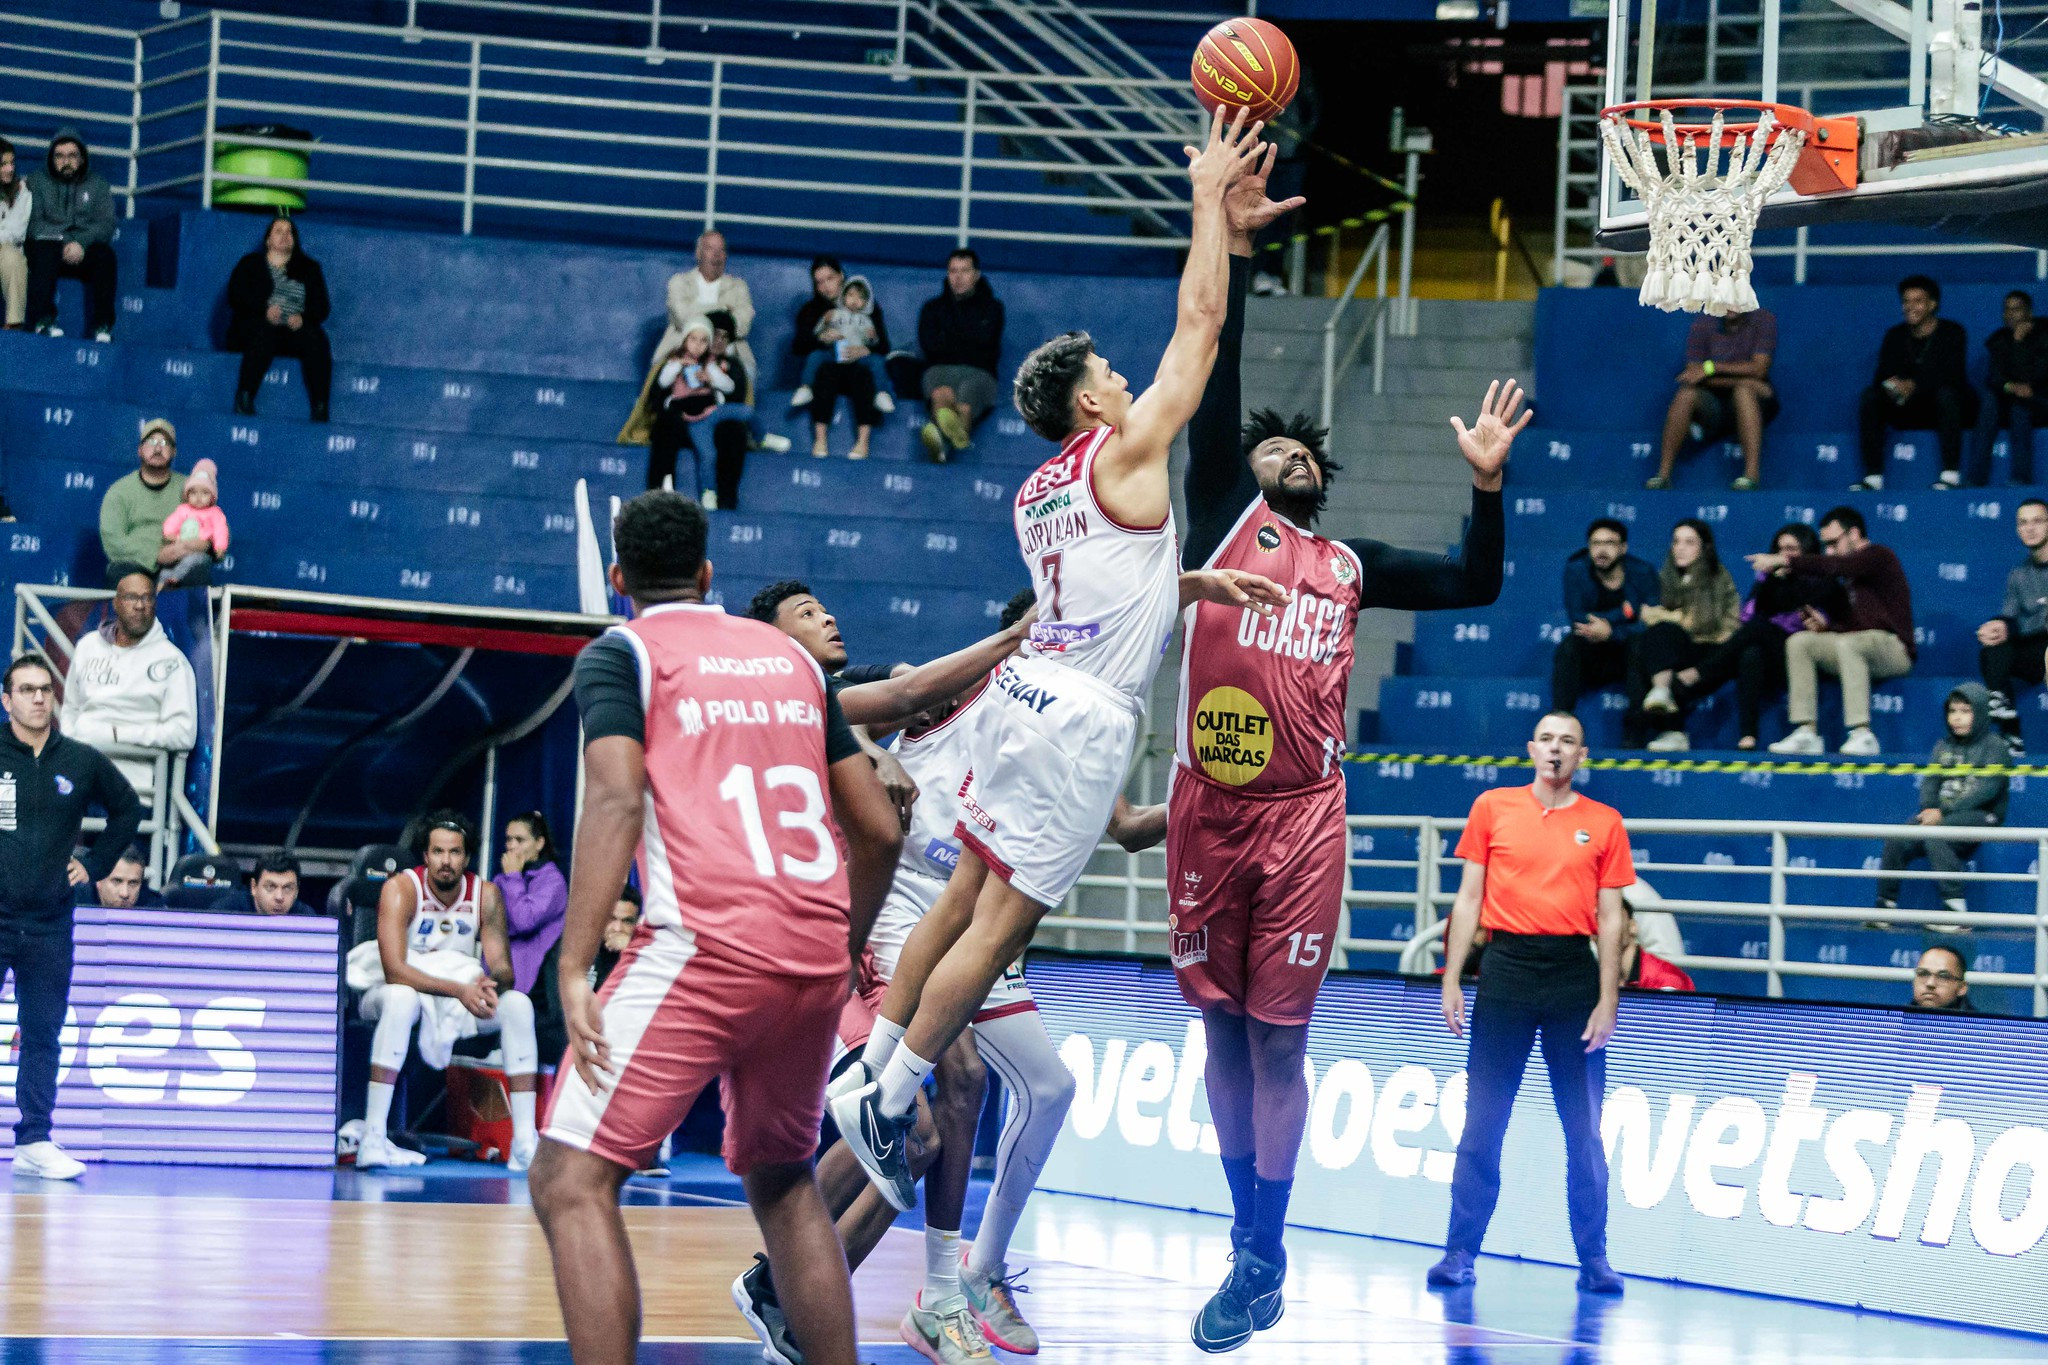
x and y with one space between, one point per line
129 683
1941 981
133 512
47 781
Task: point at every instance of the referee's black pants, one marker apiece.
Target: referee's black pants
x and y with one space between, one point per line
1500 1033
39 956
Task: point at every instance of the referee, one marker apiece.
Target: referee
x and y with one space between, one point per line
1544 868
46 783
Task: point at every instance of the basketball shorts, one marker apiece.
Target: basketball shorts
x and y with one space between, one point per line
677 1018
1258 895
1050 750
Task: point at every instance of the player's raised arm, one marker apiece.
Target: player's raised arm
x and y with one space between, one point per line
1158 414
894 700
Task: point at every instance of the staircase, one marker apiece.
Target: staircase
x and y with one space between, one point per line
1403 480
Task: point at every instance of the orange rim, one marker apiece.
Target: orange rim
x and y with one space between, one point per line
1783 116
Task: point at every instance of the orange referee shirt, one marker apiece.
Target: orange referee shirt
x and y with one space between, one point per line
1545 868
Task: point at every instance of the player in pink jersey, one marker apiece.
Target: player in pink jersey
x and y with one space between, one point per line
1054 738
1255 828
710 744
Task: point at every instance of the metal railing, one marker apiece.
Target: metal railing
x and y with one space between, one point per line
1139 916
1373 258
446 128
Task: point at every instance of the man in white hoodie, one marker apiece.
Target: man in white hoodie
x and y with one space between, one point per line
129 684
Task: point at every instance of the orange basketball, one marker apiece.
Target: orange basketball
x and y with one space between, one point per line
1246 62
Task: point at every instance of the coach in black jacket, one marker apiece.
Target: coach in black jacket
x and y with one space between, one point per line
46 783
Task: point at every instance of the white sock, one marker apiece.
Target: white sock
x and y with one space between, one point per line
881 1045
992 1243
902 1079
941 1266
377 1110
522 1114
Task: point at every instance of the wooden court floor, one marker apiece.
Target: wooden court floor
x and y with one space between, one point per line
347 1268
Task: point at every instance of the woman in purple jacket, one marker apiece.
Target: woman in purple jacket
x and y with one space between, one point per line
536 894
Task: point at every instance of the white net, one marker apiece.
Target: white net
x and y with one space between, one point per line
1702 201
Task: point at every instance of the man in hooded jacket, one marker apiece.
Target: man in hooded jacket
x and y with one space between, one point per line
71 232
1971 741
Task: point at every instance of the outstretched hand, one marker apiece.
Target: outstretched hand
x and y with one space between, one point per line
1246 207
1232 588
1485 444
1231 153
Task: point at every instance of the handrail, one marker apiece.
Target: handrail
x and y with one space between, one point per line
1375 254
1144 898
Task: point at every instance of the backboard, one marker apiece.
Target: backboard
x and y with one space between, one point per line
1947 93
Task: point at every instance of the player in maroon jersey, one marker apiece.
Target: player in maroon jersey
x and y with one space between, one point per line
1255 835
710 744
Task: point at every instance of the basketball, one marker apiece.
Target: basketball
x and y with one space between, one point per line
1248 63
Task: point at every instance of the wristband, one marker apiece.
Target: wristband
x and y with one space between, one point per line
1708 368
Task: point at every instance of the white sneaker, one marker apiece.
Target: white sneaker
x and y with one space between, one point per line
1804 740
1869 483
48 1161
379 1150
103 334
851 1079
1861 743
775 443
708 501
1950 478
885 402
53 330
946 1332
1957 906
1660 702
802 397
521 1155
1671 741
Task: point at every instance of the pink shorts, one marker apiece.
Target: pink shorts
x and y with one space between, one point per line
1257 887
677 1018
857 1016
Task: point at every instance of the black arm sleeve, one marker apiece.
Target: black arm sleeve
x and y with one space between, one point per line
608 691
124 817
853 674
839 740
1410 580
1219 480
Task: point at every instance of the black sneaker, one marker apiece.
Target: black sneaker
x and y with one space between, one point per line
2000 708
753 1293
1228 1319
879 1142
1267 1309
245 404
1598 1277
1454 1271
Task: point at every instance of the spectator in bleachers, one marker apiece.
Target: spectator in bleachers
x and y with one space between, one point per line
1754 656
1605 591
1725 389
737 427
1976 802
1922 384
129 684
832 366
1941 980
960 331
71 232
2012 645
16 203
1873 638
272 888
536 894
198 529
2016 377
1696 609
1645 970
697 292
550 1030
121 889
277 298
689 385
133 510
828 277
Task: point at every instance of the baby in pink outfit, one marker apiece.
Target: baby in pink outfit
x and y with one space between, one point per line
198 526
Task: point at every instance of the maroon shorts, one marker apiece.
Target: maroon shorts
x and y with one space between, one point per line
857 1016
677 1018
1257 887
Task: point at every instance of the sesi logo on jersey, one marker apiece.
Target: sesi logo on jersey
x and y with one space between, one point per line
1057 472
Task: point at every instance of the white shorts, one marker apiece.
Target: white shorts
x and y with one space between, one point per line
1051 748
910 899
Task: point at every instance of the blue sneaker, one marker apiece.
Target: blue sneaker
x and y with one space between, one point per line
1598 1277
1267 1308
1228 1319
1453 1271
880 1142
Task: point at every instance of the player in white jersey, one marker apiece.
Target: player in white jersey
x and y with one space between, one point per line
1050 754
441 936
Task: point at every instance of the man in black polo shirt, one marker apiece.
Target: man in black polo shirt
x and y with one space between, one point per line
46 783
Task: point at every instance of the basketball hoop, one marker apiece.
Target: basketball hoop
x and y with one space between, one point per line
1702 186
